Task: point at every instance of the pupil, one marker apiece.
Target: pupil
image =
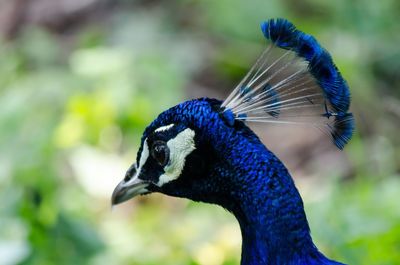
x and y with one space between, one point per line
160 153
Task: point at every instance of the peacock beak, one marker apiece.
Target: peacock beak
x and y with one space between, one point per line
129 187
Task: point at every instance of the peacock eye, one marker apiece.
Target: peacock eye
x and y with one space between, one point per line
160 152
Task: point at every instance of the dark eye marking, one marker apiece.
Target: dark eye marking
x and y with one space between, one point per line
160 152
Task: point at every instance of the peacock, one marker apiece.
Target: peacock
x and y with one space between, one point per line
203 150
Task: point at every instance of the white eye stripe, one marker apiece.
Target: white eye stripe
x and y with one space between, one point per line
164 128
142 161
180 147
144 155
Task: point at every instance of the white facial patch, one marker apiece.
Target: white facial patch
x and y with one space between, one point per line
164 128
144 155
179 148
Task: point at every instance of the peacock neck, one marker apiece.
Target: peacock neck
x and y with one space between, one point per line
252 183
274 230
273 222
267 205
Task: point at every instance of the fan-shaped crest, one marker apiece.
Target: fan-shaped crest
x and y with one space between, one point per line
294 81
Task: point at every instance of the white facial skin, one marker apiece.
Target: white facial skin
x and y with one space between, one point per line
179 148
164 128
145 154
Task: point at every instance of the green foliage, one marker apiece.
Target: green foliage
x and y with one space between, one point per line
72 110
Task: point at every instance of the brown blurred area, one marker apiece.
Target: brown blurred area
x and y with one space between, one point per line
59 16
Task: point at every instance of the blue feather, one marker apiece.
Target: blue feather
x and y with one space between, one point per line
281 32
343 129
275 99
285 35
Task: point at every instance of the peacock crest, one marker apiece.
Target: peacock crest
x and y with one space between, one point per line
294 81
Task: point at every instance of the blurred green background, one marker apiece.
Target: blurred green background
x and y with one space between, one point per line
80 80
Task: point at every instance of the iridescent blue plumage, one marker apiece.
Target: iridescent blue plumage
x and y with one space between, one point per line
244 177
304 87
285 35
202 149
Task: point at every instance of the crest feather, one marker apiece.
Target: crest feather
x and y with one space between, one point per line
294 81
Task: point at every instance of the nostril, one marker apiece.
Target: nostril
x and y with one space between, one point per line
130 173
127 177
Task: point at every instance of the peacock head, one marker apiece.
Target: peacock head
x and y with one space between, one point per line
202 150
180 154
185 151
